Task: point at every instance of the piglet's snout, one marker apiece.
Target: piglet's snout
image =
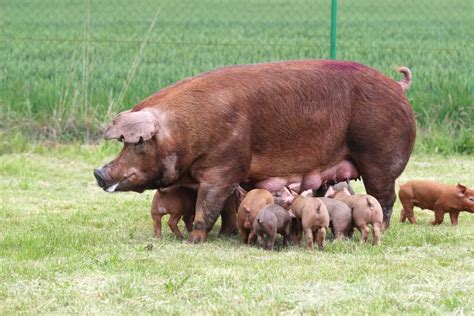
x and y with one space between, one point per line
99 176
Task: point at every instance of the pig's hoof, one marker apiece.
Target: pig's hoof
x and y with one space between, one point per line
197 237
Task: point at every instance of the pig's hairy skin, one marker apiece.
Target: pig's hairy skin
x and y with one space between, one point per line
438 197
250 123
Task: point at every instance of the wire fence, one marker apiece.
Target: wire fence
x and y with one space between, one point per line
89 58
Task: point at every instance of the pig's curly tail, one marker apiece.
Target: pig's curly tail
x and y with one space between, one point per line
406 81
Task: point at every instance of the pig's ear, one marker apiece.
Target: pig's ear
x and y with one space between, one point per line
132 126
461 190
292 214
330 192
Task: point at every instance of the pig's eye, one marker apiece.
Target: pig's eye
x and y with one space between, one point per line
471 199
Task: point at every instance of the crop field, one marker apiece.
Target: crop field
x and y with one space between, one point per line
68 66
68 247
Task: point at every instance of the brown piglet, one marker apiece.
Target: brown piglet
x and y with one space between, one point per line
438 197
178 202
251 204
365 210
340 218
314 218
272 219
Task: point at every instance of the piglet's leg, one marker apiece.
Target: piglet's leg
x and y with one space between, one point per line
403 216
261 242
454 217
210 200
365 233
376 233
173 224
321 237
188 221
156 224
308 234
252 238
244 235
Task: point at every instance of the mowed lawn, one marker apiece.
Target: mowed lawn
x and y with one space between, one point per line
68 247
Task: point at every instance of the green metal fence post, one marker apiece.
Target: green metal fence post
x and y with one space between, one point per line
333 28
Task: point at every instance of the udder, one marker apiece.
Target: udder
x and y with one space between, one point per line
343 171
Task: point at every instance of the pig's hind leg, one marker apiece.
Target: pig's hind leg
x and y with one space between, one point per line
156 224
321 237
376 233
173 224
308 234
364 229
188 222
407 208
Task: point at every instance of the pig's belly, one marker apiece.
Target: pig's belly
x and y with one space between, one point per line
343 171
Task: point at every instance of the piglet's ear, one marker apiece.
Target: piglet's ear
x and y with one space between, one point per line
346 191
131 126
330 192
461 189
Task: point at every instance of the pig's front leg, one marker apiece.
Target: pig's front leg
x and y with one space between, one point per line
210 201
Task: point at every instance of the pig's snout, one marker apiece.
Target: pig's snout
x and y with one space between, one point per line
99 176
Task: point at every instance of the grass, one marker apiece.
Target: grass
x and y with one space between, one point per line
68 66
68 247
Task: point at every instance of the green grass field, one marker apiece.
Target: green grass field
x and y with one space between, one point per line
67 66
68 247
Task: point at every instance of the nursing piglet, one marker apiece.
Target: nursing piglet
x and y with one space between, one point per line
314 218
272 219
251 204
365 210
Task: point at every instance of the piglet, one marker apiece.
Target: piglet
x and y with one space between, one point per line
340 218
178 202
314 219
365 210
440 198
272 219
251 204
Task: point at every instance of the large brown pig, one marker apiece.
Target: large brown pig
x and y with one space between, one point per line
237 125
438 197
